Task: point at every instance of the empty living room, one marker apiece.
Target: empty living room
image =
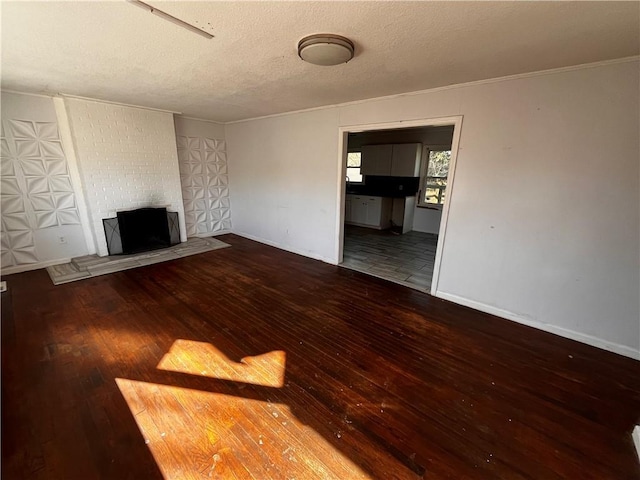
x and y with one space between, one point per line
320 240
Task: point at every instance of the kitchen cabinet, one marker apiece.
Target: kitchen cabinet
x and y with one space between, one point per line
376 160
405 160
374 211
359 208
396 160
347 209
368 211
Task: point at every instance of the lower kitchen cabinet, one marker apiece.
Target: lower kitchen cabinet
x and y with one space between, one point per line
347 209
368 211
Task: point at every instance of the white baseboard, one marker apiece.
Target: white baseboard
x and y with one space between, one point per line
33 266
304 253
212 234
563 332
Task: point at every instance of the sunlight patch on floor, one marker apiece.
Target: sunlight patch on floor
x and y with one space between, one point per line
203 359
197 434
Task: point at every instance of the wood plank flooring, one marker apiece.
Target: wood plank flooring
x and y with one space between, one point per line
254 363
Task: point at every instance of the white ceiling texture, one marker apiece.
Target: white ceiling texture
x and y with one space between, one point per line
115 51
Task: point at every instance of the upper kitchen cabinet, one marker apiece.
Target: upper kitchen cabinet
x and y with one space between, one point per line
405 160
376 160
397 160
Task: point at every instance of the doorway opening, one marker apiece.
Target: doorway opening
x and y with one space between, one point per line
395 187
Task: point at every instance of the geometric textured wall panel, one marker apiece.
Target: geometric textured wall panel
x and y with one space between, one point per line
205 180
18 247
36 190
15 222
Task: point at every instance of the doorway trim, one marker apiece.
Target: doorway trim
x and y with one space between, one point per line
343 135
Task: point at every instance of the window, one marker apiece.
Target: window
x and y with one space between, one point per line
354 162
433 184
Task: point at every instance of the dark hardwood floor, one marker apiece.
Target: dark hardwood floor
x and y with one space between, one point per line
250 362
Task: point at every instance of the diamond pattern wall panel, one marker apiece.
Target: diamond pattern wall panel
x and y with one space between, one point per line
205 180
36 190
18 247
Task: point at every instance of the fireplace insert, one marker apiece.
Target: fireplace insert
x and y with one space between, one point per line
141 230
144 229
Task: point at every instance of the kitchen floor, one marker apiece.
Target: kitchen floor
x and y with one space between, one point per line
406 259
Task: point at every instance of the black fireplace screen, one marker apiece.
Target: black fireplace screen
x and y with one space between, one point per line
141 230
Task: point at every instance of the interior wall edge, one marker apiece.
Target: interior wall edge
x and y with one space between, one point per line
562 332
66 137
186 117
287 248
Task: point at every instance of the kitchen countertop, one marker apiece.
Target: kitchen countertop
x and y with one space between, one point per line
378 193
390 187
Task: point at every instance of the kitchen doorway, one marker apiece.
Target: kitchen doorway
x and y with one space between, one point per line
407 259
394 197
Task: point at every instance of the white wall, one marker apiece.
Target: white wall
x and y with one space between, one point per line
202 158
427 220
283 174
127 159
544 215
39 198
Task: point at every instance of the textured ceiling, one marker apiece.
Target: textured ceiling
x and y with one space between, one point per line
115 51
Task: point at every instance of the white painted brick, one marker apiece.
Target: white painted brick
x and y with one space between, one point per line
127 159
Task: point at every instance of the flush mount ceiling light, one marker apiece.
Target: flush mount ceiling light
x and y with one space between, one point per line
170 18
325 49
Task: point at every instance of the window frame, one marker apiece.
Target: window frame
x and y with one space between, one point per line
347 167
424 166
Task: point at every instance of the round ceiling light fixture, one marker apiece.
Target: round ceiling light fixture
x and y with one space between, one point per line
325 49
